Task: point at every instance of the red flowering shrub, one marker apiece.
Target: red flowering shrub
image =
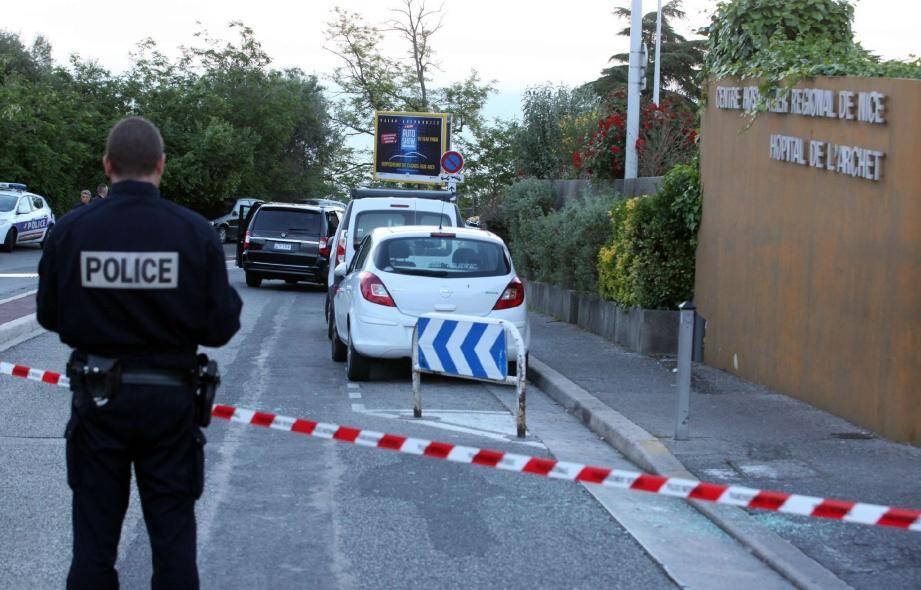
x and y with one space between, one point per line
667 137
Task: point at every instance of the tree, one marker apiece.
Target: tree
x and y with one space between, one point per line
414 24
235 126
554 121
369 80
53 119
491 164
681 58
232 124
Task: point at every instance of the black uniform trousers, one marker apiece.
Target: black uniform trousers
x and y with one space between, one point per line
151 427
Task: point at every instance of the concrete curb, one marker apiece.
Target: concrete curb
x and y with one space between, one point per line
18 331
649 454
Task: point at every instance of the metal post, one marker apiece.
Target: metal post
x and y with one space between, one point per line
657 70
685 345
633 89
521 373
417 376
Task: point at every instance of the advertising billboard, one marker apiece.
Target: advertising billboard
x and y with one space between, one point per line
408 146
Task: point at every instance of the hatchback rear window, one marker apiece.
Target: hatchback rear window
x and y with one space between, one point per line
291 221
368 221
442 257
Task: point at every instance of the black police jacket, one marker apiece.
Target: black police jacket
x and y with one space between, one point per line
136 277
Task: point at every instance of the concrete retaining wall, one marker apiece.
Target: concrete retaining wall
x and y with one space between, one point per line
648 331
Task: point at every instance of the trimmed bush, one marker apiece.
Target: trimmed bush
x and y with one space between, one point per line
557 246
522 210
649 261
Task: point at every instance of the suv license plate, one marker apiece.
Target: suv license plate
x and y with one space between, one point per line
283 246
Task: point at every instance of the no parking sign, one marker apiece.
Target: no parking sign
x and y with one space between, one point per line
452 162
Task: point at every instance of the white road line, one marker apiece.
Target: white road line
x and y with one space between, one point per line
223 461
19 275
506 434
354 386
354 395
406 411
20 296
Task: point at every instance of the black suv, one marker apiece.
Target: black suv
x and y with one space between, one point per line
286 241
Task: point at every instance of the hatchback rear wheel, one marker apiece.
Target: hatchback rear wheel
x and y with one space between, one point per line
357 365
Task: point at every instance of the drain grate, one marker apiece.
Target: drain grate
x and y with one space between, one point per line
853 435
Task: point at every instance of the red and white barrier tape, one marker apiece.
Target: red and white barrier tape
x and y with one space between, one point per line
34 374
857 512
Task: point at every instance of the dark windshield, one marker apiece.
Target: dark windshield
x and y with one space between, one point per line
287 221
7 202
442 257
368 221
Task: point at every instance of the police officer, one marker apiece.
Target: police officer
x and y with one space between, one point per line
135 284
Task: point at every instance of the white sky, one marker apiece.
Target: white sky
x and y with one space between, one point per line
514 42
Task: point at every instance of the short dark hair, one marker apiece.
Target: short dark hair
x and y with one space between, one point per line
134 147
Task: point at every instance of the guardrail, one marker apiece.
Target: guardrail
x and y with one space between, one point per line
468 347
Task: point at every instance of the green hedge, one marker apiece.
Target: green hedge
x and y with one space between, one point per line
557 246
649 262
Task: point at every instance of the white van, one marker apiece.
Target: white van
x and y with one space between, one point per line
371 208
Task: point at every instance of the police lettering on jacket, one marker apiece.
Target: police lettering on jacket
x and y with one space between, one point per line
129 270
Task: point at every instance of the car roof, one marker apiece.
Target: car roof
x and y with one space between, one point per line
282 205
366 193
424 231
322 202
384 203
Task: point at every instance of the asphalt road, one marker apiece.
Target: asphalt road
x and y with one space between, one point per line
18 271
284 511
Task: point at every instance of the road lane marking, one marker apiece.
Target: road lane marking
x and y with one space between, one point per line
494 425
253 388
19 275
355 394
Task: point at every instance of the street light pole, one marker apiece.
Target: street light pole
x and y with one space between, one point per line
655 76
633 88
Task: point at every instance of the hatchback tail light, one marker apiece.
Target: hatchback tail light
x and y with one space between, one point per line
324 246
340 250
374 290
246 241
513 296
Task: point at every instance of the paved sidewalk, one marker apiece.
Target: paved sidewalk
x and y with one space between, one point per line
745 434
17 307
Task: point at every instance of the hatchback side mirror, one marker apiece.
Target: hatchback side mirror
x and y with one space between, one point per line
340 270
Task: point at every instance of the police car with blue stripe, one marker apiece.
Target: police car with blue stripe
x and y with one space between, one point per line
25 218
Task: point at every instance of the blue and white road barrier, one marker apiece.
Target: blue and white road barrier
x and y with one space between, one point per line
469 347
